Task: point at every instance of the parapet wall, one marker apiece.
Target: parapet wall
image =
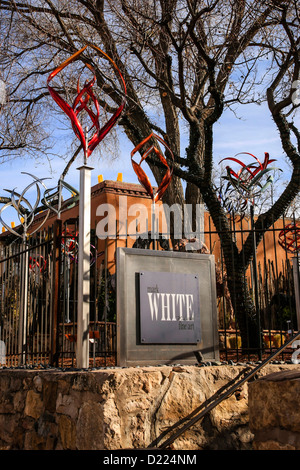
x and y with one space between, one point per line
121 408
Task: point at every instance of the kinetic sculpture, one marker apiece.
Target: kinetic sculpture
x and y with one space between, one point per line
37 264
53 200
69 246
248 182
289 238
231 200
26 213
143 178
25 210
84 98
81 103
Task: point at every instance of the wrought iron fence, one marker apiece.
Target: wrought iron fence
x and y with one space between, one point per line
273 282
48 335
26 337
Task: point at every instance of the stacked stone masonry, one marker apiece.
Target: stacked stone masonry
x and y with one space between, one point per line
122 408
274 412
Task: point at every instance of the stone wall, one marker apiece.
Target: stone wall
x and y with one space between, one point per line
121 408
274 412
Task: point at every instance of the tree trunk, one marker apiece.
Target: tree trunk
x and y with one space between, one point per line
246 314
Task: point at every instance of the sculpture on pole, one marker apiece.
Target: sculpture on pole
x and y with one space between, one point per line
82 100
26 213
85 101
249 182
54 201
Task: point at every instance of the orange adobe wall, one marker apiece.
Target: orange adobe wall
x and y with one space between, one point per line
123 198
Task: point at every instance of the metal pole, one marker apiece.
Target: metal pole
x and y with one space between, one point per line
55 311
296 273
83 310
256 281
154 226
24 297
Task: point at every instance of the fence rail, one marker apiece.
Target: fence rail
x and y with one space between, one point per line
48 335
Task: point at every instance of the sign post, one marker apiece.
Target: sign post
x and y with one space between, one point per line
83 311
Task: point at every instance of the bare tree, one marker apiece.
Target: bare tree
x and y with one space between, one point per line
184 62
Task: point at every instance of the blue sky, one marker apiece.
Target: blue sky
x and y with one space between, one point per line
254 132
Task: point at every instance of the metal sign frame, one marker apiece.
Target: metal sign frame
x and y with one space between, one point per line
132 351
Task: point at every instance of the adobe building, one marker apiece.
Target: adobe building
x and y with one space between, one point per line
121 212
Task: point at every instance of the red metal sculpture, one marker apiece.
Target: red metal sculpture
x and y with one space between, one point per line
37 263
82 100
289 237
142 177
248 180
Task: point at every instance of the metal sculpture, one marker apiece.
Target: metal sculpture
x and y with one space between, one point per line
69 246
45 203
53 199
81 103
82 100
68 243
26 211
48 201
248 181
231 201
289 238
37 264
142 177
